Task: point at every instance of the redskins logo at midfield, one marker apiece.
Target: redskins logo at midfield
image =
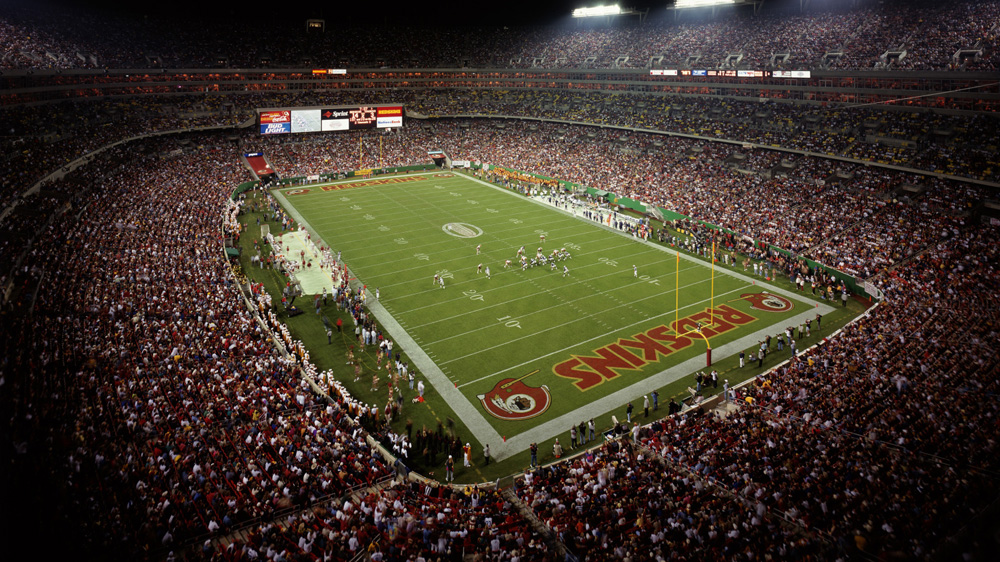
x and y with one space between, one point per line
767 302
512 399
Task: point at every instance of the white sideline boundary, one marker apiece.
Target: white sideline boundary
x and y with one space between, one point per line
480 427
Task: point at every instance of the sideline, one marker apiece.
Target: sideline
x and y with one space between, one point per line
477 423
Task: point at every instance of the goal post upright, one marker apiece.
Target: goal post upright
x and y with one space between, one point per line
677 294
711 307
677 307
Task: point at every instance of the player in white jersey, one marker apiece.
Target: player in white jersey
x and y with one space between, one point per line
635 271
488 272
565 271
478 247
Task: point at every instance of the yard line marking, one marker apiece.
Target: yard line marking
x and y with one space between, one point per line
463 260
414 195
604 335
573 224
527 280
560 304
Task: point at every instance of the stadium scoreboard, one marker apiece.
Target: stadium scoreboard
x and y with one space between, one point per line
278 121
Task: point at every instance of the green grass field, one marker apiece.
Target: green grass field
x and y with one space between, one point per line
546 349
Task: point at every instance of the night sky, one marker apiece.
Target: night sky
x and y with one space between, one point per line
440 12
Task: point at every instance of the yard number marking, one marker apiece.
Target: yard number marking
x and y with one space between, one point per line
509 323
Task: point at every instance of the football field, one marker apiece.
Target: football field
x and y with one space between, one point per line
522 354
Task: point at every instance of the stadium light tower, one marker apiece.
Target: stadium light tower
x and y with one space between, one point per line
608 12
597 11
700 3
713 4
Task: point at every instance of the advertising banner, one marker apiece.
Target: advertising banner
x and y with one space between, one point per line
275 128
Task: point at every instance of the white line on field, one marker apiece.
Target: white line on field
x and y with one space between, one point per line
604 335
509 285
610 292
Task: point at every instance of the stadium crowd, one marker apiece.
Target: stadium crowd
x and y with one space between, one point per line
48 138
622 501
187 424
163 417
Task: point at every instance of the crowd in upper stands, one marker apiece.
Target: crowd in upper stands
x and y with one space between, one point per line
886 35
47 137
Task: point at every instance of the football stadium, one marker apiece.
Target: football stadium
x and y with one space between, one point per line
691 280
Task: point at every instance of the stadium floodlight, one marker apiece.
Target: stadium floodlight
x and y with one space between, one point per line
678 4
597 11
